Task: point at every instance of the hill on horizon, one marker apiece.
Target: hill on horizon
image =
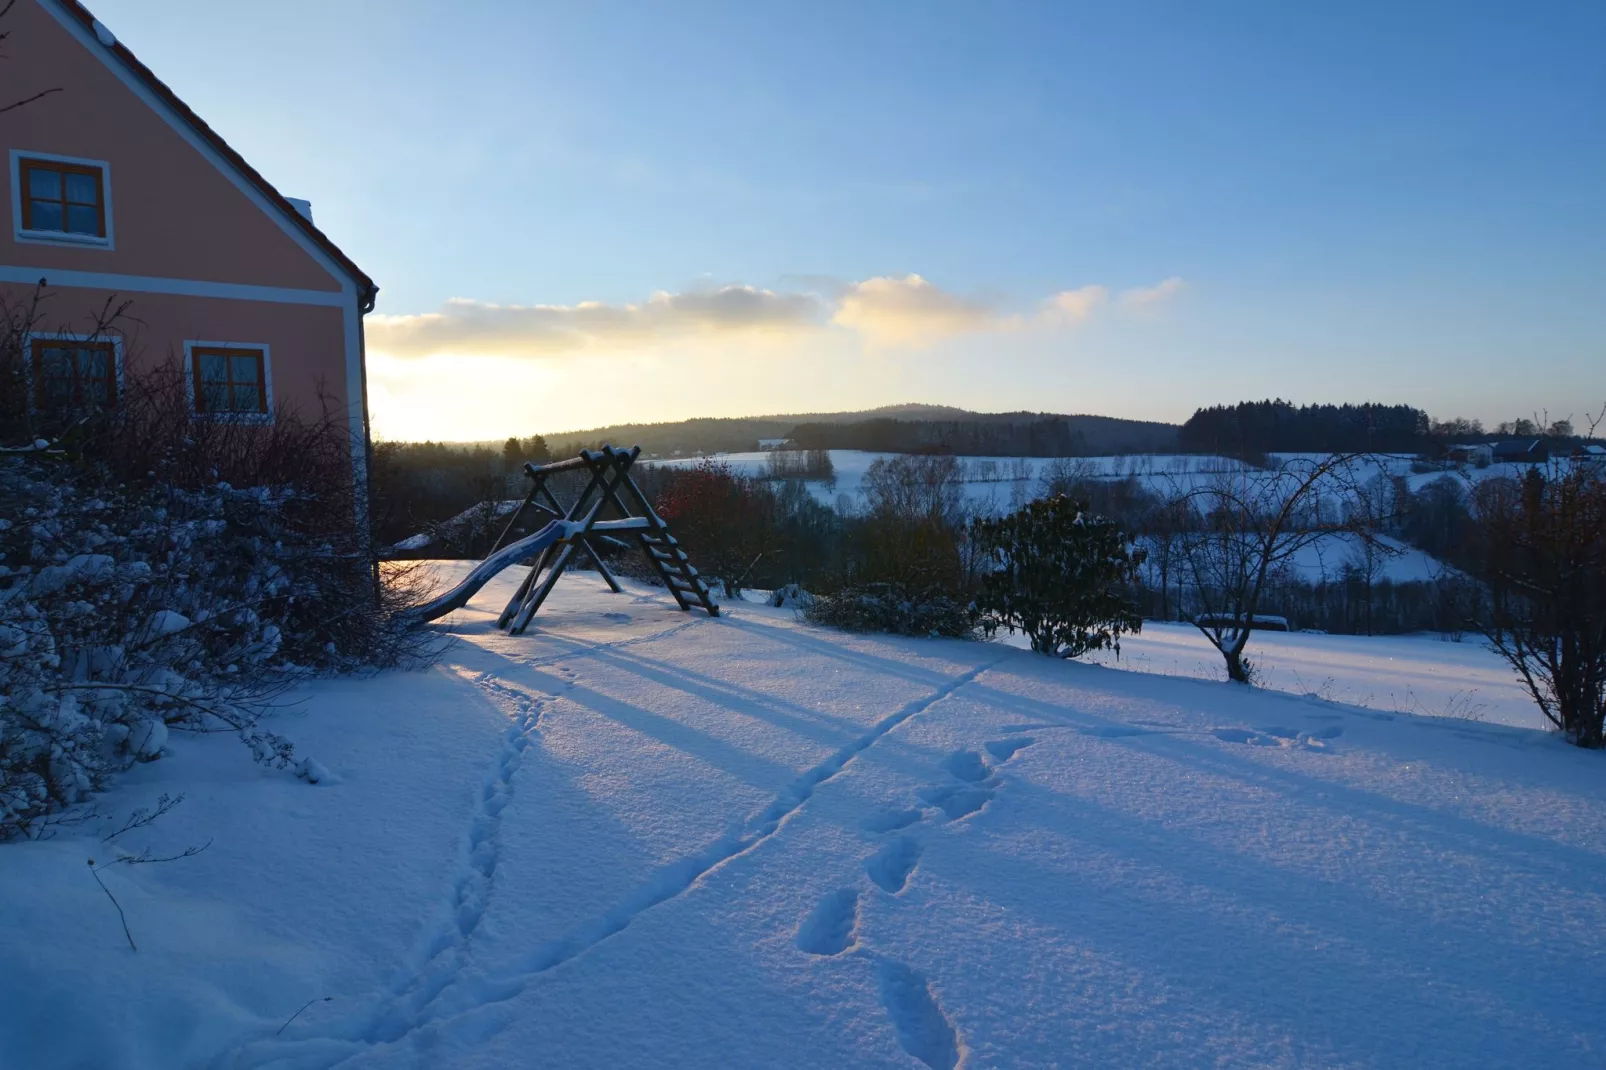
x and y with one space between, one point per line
908 426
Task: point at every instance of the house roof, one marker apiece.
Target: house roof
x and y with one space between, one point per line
1517 447
365 285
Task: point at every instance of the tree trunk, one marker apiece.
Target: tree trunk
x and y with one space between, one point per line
1237 672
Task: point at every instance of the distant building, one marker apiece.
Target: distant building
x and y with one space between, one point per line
773 443
1480 454
1522 451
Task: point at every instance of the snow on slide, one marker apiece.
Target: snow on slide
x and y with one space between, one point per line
630 838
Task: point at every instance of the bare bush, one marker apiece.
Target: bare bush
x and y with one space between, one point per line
1542 556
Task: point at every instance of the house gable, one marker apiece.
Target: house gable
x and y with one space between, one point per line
186 207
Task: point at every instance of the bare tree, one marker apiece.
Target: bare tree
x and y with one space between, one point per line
1162 528
1245 528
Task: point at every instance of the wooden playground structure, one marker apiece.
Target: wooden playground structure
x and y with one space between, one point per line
573 530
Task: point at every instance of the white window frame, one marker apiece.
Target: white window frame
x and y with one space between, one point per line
56 237
230 417
67 336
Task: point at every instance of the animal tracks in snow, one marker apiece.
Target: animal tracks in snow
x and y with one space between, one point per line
833 922
447 951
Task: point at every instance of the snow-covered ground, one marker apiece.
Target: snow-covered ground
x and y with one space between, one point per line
1418 674
635 837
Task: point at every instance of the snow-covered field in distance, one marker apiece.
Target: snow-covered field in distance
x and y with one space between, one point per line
636 837
1162 473
993 489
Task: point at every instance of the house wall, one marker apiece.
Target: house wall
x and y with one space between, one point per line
175 214
156 326
197 250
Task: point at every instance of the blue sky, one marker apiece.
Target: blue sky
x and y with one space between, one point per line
849 205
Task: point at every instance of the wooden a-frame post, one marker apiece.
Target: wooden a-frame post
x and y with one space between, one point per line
610 474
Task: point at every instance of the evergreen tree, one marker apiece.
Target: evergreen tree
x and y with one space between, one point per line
1060 577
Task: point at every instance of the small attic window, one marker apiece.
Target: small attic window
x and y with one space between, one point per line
61 200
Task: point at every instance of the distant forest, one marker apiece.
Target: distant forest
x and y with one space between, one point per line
1020 434
727 435
1251 427
1246 429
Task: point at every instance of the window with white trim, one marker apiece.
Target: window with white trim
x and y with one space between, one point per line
61 199
73 374
229 379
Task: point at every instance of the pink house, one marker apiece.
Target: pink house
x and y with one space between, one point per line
118 191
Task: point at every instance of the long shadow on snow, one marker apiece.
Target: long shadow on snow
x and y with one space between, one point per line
1529 850
742 702
885 666
440 957
789 716
1239 961
749 768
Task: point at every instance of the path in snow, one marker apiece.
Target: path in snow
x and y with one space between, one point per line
637 838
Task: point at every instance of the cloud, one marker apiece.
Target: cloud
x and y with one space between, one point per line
1074 306
465 326
1144 298
885 312
891 311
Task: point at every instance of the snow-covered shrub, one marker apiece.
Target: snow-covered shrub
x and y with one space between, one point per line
162 574
885 608
126 611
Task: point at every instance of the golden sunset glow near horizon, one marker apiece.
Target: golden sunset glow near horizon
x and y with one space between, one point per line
473 371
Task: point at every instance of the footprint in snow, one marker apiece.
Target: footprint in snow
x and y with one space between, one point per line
966 765
830 928
890 820
890 868
1004 749
924 1031
958 800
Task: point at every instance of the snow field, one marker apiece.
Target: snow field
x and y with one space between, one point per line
1163 474
634 837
